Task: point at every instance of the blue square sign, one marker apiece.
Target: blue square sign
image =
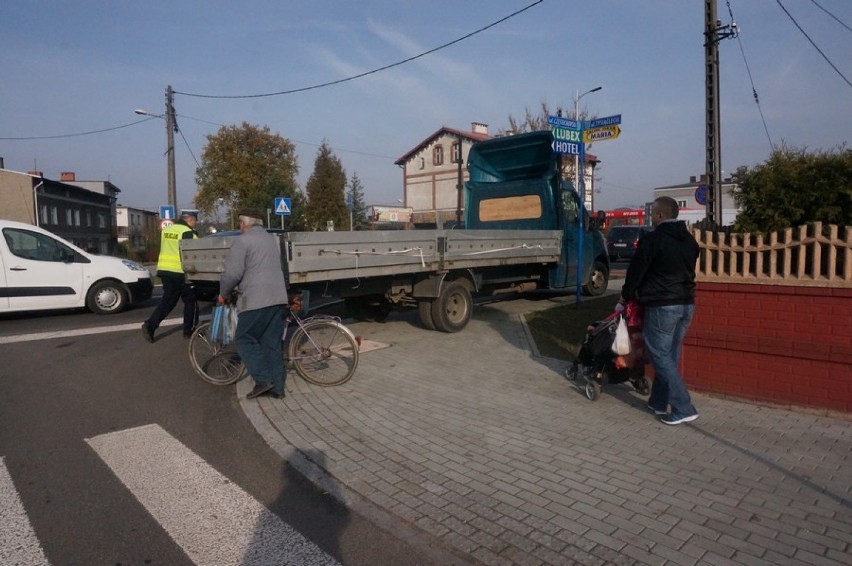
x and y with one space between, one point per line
167 212
282 206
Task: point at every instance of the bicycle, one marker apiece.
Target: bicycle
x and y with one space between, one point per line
322 350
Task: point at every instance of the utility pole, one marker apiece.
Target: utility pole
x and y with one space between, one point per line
171 128
714 32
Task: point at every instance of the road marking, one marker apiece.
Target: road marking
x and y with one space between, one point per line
18 541
213 520
87 331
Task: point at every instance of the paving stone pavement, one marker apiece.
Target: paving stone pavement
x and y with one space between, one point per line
478 450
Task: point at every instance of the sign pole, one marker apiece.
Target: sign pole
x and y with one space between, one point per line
582 218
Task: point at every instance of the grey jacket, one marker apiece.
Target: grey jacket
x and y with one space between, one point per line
254 263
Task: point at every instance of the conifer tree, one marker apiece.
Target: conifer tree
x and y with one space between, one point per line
355 195
325 191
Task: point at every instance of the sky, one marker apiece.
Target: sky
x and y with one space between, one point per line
73 67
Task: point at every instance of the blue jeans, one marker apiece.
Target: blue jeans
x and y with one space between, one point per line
258 340
664 329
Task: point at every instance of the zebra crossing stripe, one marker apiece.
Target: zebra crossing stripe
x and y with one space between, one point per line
213 520
18 542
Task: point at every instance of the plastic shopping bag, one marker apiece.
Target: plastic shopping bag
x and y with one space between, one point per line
621 344
223 327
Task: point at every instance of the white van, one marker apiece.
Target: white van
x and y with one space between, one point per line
42 271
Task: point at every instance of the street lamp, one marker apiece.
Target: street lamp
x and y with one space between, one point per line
171 128
577 157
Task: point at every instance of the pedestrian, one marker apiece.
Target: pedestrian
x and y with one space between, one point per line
170 272
661 276
254 263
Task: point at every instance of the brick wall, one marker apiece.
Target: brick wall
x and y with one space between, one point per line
772 343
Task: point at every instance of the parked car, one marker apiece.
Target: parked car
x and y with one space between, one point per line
41 271
622 241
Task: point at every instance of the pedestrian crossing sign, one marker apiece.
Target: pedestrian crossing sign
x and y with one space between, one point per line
282 206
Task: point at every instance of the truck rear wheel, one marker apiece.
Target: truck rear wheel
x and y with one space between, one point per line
598 280
424 309
452 309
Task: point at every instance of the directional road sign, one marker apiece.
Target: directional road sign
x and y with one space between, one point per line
602 133
167 212
560 122
605 121
565 147
282 206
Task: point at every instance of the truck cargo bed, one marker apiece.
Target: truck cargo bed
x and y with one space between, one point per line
310 257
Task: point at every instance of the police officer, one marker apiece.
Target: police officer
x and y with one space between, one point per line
171 273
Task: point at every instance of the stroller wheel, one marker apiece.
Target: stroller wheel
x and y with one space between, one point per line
593 389
572 372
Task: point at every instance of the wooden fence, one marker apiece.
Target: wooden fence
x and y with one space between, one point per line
810 255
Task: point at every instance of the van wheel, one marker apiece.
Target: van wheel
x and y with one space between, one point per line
107 297
451 310
598 280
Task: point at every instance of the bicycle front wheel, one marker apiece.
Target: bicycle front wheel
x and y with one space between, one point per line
215 363
324 352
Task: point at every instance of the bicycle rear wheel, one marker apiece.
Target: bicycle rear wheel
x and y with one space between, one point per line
215 363
324 352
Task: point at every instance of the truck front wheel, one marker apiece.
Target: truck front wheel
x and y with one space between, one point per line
598 280
452 309
107 297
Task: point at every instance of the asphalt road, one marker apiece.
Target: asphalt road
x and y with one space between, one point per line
58 393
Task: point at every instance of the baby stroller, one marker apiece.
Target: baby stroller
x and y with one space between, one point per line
598 365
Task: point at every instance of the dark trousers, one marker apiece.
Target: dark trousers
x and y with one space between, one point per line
175 287
258 340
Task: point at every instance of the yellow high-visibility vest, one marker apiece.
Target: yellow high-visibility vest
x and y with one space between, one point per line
169 248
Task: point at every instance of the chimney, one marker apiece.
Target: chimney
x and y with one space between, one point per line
692 178
67 176
35 173
704 178
479 128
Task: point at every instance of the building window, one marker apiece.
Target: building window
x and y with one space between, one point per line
456 153
76 217
89 218
44 218
423 163
438 155
69 218
54 215
681 204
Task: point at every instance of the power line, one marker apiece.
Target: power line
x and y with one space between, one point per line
832 15
78 134
753 89
812 43
361 75
338 149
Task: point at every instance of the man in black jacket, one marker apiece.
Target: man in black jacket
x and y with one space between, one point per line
661 276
